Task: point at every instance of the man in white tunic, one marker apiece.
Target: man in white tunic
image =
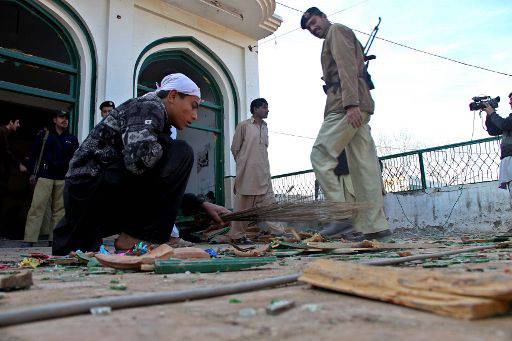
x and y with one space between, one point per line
253 186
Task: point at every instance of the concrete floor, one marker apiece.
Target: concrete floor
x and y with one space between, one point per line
318 314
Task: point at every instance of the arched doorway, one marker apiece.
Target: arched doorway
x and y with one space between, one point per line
39 74
205 135
39 63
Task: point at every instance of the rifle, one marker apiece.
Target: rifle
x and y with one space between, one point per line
366 75
367 57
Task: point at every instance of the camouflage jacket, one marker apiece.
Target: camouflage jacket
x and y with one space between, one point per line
129 133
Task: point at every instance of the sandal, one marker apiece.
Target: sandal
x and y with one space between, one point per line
178 242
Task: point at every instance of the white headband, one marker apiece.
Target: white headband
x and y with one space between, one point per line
180 83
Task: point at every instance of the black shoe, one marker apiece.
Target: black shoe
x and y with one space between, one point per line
337 229
380 236
351 236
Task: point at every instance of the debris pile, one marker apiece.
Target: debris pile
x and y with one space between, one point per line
468 289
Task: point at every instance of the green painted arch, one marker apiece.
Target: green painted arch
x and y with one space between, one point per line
217 94
35 8
90 44
181 55
38 8
200 46
73 68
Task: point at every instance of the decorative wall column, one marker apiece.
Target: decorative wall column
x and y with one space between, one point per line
118 86
252 81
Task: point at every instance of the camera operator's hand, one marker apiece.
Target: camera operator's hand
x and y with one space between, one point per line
354 117
488 109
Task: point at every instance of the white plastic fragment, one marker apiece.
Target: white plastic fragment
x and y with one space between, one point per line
311 307
247 312
280 306
101 310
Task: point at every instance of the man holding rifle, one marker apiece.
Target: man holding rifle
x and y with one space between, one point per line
348 109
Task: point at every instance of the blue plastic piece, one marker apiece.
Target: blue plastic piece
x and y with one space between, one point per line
103 250
212 252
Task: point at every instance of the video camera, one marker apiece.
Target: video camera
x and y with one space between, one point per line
479 102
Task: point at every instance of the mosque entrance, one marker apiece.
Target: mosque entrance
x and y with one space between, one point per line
39 74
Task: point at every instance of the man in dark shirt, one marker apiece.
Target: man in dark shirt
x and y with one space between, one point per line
497 125
9 124
49 162
129 177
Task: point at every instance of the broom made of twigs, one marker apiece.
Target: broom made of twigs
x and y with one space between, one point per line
313 211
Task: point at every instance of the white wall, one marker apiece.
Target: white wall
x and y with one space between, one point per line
477 207
119 41
154 19
119 57
92 9
121 29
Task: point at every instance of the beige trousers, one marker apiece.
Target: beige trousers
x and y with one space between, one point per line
335 135
347 188
47 192
243 202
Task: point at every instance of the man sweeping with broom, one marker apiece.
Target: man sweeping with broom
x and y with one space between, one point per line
129 177
348 108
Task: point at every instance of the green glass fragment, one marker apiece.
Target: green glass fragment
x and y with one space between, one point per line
211 265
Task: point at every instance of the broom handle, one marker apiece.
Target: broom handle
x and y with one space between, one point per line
296 212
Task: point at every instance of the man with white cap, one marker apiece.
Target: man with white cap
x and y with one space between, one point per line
129 177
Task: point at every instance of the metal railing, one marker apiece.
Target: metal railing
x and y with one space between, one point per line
454 164
298 186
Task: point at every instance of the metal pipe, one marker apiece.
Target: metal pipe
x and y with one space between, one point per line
76 307
435 255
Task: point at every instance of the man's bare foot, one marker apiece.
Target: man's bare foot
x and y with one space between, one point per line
125 242
178 242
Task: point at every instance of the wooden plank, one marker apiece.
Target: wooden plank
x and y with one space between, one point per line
119 262
147 267
366 245
251 253
163 251
353 250
465 295
286 245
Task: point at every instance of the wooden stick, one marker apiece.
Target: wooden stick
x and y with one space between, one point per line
400 260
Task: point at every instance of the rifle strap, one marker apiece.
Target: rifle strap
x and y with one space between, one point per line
38 163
